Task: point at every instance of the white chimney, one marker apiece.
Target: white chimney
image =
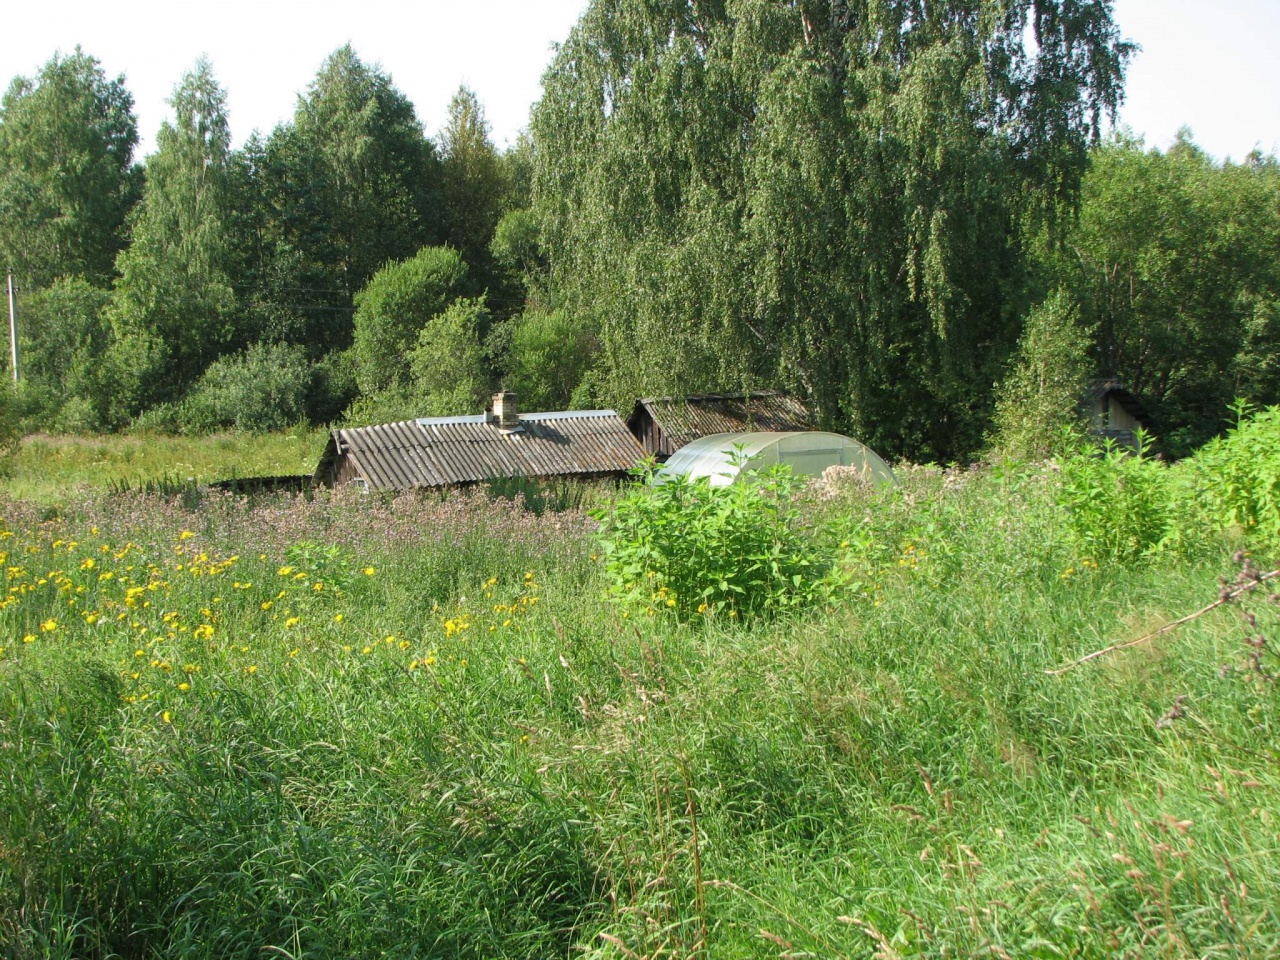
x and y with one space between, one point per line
506 416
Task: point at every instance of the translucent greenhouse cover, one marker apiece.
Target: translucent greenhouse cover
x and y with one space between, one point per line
724 457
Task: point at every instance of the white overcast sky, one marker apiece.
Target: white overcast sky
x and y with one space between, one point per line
1210 65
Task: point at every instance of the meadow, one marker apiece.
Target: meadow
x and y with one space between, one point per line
51 468
425 726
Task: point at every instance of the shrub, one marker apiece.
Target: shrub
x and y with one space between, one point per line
265 388
450 375
548 355
1237 477
1118 503
688 546
1041 394
394 306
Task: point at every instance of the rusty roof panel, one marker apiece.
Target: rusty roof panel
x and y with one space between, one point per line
684 419
449 450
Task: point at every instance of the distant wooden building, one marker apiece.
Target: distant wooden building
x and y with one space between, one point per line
497 444
1113 412
665 424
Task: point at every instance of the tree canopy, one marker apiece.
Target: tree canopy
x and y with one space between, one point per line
67 179
832 196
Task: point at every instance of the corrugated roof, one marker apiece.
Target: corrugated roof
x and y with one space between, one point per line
684 419
441 451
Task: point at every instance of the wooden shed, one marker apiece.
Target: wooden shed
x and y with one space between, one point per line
497 444
1113 412
665 424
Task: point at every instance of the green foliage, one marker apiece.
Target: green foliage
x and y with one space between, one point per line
1172 262
692 547
547 355
1118 502
10 425
395 306
263 389
516 247
67 180
175 293
474 189
1237 477
485 759
333 386
449 370
837 202
353 180
1040 397
63 336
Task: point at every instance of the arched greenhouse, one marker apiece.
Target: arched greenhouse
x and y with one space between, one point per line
725 457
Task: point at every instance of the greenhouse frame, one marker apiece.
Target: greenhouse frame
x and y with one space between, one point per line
724 458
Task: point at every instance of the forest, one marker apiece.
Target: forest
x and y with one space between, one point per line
914 220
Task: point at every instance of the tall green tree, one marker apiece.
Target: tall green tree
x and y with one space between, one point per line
353 183
67 179
1173 262
833 195
474 182
174 301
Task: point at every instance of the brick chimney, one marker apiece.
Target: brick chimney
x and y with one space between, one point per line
506 416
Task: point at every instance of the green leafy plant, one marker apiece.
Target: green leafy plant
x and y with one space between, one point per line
691 547
1237 477
1118 502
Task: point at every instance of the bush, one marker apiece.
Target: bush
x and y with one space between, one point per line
1236 479
1118 503
263 389
687 546
548 356
1039 400
449 369
394 306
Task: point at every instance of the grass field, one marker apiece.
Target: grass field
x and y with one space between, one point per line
55 468
417 727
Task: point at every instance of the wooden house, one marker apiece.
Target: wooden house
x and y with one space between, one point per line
1111 411
665 424
497 444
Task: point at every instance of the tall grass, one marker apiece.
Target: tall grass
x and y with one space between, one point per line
51 469
458 745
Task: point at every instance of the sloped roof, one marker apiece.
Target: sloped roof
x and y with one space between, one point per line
442 451
684 419
1119 391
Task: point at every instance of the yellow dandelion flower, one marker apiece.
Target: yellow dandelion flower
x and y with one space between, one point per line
167 717
88 563
49 625
266 604
203 632
184 686
292 622
185 535
369 571
285 571
251 669
338 618
367 649
29 638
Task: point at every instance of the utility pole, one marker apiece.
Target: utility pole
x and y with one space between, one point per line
13 327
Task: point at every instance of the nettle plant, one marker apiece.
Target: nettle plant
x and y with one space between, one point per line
692 548
1118 502
1237 477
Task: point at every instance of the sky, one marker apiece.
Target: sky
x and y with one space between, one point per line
1209 65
